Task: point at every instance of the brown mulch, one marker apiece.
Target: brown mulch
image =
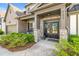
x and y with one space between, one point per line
28 45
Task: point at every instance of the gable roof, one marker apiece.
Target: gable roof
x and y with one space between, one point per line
17 10
73 7
28 4
37 6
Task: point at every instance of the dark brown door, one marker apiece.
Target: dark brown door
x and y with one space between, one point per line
51 29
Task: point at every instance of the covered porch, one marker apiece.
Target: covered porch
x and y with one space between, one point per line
47 22
25 24
51 23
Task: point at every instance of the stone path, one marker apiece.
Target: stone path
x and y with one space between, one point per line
41 48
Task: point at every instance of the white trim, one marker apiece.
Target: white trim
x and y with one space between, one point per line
53 18
73 24
78 24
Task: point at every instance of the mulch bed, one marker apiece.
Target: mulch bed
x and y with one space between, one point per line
28 45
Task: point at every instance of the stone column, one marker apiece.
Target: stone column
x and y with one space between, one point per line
36 30
42 29
63 29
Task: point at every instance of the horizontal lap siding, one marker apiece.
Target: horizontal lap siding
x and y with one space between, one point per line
78 24
72 24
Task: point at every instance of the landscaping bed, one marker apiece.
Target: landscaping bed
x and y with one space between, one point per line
20 48
17 41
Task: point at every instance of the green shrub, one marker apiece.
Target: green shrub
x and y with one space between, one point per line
74 39
1 32
68 48
64 48
16 39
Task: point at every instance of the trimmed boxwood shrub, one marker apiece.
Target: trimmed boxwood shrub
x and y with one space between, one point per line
1 32
16 39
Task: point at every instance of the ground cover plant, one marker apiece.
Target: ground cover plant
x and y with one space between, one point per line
1 32
68 47
15 40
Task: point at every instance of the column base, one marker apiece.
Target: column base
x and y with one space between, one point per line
63 34
37 35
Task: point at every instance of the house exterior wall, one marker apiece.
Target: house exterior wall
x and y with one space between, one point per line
74 23
78 24
38 22
49 18
10 19
63 31
11 28
22 26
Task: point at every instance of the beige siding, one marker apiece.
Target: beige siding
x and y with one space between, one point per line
22 26
11 22
73 24
10 19
78 24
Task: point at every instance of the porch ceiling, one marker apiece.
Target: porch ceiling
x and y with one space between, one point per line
56 12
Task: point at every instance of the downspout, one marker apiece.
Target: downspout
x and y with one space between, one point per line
77 24
68 26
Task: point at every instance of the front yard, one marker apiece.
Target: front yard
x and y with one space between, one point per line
41 48
17 41
17 44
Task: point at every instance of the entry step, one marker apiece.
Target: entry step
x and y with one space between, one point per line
52 39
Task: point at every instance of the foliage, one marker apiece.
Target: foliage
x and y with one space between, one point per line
1 32
16 39
74 39
68 4
68 48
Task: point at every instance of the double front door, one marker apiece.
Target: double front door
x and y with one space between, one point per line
51 29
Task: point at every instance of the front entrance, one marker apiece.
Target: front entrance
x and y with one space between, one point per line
51 29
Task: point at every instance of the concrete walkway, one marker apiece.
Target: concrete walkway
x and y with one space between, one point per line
42 48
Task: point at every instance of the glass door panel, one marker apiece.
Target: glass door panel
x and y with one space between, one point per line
51 29
55 27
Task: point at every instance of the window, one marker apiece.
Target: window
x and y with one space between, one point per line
30 27
55 27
